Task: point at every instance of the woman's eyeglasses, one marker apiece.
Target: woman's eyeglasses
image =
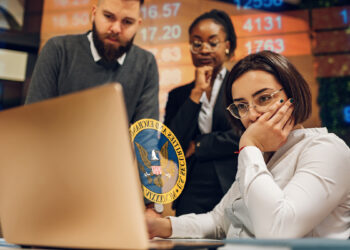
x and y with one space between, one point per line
212 46
261 103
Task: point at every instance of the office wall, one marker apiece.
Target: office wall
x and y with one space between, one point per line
20 22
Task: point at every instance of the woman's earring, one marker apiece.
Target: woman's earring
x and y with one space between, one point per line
227 51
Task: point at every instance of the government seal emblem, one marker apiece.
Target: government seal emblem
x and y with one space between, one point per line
160 159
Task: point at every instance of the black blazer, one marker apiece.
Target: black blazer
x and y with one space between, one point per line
218 146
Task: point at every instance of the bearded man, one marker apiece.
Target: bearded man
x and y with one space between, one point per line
106 54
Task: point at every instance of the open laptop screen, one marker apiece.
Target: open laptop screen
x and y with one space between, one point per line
68 177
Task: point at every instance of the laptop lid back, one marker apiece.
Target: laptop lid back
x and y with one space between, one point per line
68 177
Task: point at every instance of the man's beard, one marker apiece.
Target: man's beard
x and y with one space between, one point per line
107 51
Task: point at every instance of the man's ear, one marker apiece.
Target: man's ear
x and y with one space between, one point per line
93 13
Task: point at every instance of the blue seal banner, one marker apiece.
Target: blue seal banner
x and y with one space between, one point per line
160 159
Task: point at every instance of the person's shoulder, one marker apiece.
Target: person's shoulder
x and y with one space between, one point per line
322 136
67 39
139 52
140 60
182 89
330 153
66 46
336 143
318 150
324 142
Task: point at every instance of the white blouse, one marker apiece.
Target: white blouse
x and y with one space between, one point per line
303 191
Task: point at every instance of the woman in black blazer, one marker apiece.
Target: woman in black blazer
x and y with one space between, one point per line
195 113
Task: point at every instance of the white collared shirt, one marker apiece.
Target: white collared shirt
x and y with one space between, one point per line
205 117
303 191
95 54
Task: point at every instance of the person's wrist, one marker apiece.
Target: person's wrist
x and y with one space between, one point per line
166 229
249 143
244 142
239 150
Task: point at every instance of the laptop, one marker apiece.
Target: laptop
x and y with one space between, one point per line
68 176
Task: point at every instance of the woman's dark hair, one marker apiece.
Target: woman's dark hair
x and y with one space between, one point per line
221 18
293 83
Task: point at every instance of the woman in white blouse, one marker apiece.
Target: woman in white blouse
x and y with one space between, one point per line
292 182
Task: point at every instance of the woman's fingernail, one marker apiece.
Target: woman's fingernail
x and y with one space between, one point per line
291 100
281 100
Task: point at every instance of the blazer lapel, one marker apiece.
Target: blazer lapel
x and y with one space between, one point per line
219 107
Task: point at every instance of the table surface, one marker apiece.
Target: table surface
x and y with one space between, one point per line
233 244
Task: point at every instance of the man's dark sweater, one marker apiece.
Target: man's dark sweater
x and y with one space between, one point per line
66 65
